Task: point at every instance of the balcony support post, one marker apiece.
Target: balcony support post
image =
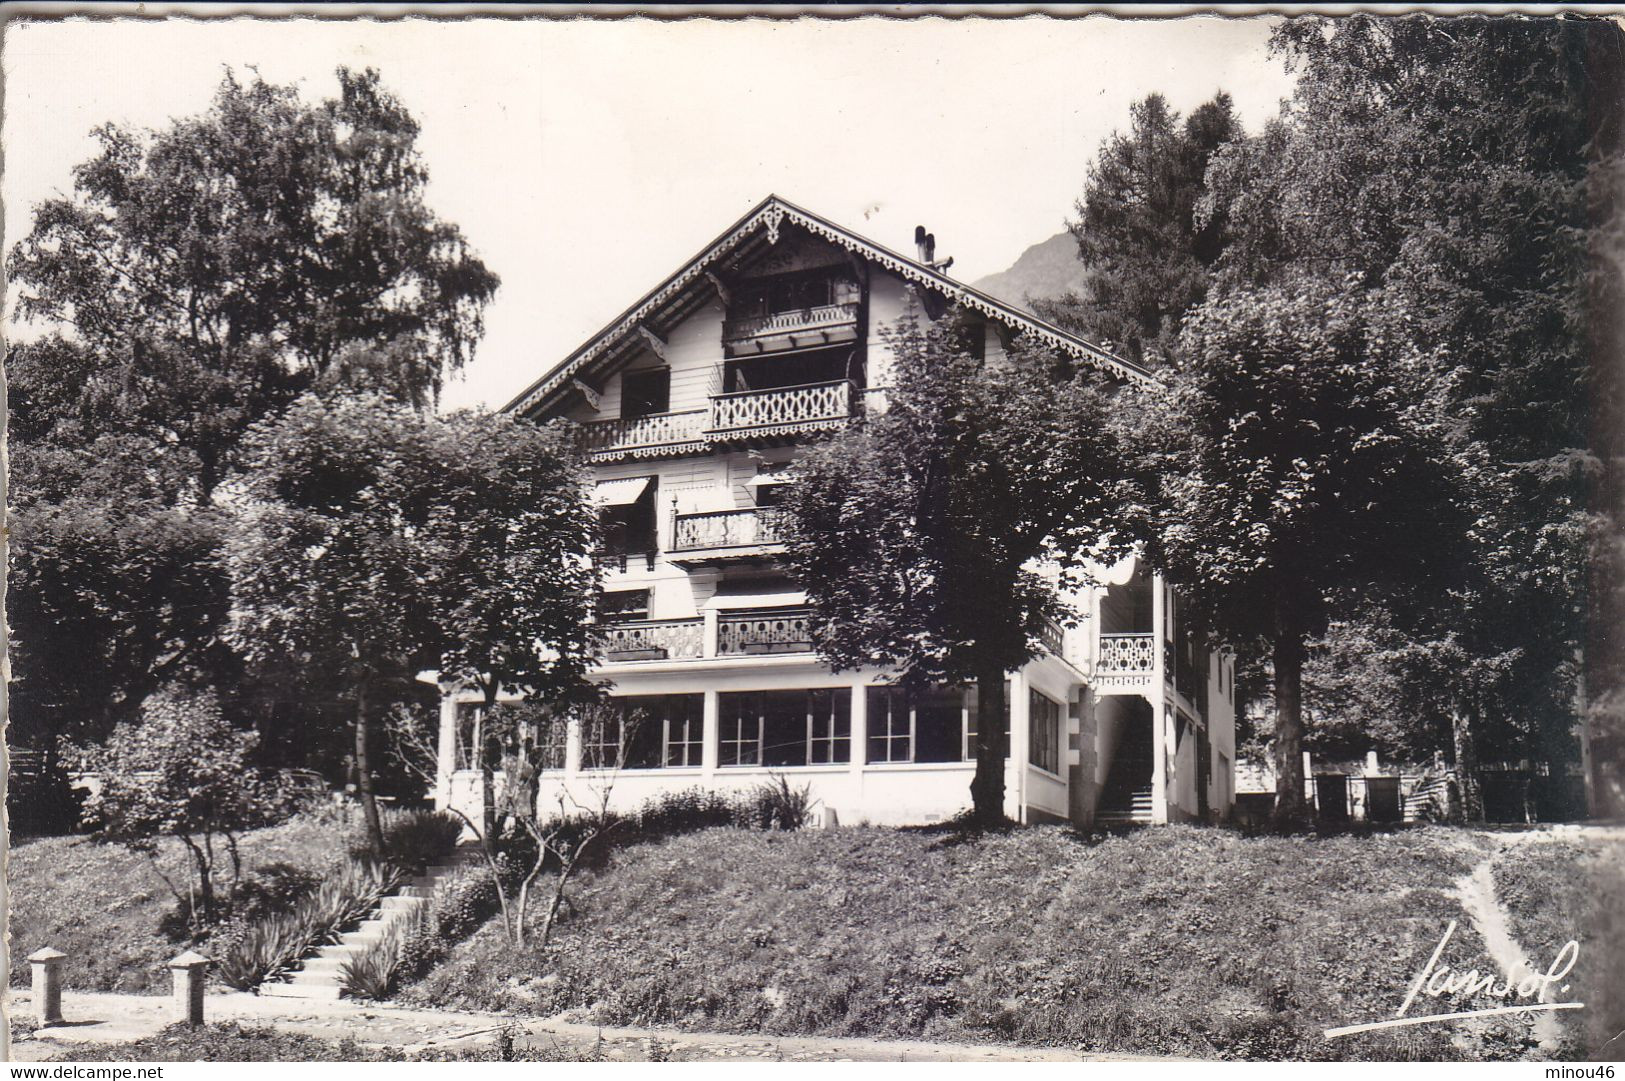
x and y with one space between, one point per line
710 750
708 637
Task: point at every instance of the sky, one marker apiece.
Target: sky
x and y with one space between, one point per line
585 160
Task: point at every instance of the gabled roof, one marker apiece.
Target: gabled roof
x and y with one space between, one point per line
760 228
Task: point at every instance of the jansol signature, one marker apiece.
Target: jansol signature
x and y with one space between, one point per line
1439 981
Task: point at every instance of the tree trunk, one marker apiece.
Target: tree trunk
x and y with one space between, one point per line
1468 783
987 787
363 774
1290 810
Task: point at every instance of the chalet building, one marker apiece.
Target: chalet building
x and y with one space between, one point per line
695 403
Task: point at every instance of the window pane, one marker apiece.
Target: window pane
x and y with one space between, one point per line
1044 732
938 714
888 720
970 721
739 715
784 728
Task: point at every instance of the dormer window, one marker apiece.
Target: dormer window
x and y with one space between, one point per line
645 393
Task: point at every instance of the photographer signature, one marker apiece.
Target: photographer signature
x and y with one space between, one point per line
1436 981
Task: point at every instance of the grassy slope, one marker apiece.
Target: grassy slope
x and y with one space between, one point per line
1556 891
102 905
1178 940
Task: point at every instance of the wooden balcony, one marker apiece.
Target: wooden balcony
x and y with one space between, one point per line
747 633
1125 660
645 437
804 326
726 534
654 640
781 411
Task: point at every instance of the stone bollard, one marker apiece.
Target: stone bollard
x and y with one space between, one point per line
47 965
189 969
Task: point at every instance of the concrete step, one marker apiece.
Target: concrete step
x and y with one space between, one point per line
294 990
323 964
403 903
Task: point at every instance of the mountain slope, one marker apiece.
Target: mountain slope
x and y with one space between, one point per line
1045 270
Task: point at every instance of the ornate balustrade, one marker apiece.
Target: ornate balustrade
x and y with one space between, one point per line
654 639
726 529
1126 659
802 319
656 430
1053 638
786 631
783 409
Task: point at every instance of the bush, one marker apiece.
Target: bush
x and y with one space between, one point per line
183 772
226 1042
414 840
374 972
461 903
774 805
270 946
687 811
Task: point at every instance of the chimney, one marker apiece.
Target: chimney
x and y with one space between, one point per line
925 245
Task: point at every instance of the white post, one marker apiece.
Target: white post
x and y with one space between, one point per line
188 971
710 751
446 752
47 972
860 731
708 636
1019 749
1156 696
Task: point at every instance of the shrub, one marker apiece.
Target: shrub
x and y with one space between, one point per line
775 805
272 888
272 945
416 839
183 772
687 811
374 972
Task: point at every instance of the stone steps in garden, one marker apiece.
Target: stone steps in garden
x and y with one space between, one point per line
318 976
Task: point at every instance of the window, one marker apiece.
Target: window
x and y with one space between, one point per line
785 728
939 720
970 721
891 725
624 604
1044 732
790 369
623 729
829 726
739 730
629 527
645 393
662 729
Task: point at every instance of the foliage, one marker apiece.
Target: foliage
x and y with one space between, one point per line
1298 451
272 945
913 532
114 585
227 1041
375 971
183 772
512 539
1139 198
776 804
196 281
205 275
415 840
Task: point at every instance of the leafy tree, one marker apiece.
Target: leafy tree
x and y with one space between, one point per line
514 582
183 772
916 532
329 566
377 542
204 276
115 587
1300 452
198 279
1137 231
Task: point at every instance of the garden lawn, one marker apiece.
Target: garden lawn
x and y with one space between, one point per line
1174 940
104 906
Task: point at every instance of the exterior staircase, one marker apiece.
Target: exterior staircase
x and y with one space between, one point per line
1136 810
318 975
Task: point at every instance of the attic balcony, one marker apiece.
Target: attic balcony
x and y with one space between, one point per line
712 538
751 414
824 324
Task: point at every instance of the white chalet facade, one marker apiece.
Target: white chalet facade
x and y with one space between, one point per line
693 402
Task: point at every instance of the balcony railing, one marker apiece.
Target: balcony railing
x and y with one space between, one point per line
785 631
751 409
823 317
1126 658
726 529
1054 638
654 639
658 429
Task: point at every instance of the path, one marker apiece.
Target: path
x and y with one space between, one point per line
108 1018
